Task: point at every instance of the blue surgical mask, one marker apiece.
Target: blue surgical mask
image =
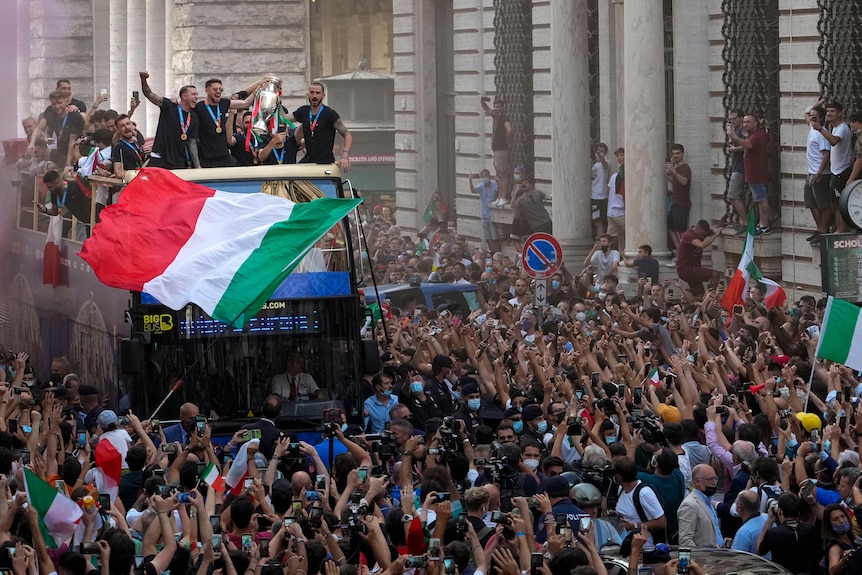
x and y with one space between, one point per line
841 528
518 425
474 404
387 393
456 394
611 439
580 316
542 427
517 178
555 285
343 427
417 387
489 269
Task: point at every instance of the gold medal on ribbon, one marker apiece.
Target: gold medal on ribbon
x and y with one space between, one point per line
184 137
218 129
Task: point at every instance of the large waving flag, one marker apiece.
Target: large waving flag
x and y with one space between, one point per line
239 468
841 335
748 274
182 242
110 463
58 515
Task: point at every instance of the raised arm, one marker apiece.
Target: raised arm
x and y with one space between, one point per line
148 92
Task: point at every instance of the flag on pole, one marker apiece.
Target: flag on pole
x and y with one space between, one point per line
748 274
239 469
213 478
841 335
110 463
183 242
653 376
58 515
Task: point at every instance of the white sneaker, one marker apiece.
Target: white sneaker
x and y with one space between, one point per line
671 263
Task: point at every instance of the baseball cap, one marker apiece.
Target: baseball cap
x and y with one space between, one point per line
107 418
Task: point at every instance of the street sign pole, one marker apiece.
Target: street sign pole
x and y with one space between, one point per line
540 293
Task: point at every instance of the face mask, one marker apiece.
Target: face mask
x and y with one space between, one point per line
517 178
542 427
417 387
842 528
456 394
474 404
580 316
555 285
611 439
603 295
709 491
487 181
489 269
532 464
387 393
343 427
518 426
527 324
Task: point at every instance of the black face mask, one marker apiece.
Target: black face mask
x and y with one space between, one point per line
709 491
56 378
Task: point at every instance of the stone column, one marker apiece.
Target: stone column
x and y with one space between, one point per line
690 59
101 50
170 30
155 57
608 94
22 21
570 135
646 215
119 88
136 57
618 32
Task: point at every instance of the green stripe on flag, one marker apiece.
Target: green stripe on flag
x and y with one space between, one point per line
281 249
839 329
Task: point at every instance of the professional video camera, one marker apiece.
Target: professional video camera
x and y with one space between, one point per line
501 473
383 444
332 419
353 522
607 405
648 425
449 440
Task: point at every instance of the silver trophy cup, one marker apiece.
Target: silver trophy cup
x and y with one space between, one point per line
267 102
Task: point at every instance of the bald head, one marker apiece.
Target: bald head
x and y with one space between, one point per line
747 504
703 477
188 412
300 480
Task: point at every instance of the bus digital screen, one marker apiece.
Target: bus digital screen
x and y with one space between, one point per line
301 323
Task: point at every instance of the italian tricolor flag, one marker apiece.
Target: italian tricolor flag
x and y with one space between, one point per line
748 274
110 469
58 515
841 334
653 377
239 469
226 252
212 477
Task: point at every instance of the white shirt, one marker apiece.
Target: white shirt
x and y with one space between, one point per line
305 385
817 144
603 262
598 177
842 152
652 508
616 203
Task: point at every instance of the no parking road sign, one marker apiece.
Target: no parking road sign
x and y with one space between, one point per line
542 256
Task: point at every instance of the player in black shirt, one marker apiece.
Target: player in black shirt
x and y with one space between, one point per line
61 127
175 145
319 123
126 154
213 134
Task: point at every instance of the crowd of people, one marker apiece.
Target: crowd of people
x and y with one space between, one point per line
511 439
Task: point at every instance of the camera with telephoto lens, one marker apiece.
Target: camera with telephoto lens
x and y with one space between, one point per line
332 419
449 440
648 425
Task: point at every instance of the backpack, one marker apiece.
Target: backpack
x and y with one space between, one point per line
659 536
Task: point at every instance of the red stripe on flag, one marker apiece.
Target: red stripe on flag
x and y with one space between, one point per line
138 237
735 291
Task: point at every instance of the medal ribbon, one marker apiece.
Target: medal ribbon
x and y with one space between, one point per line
185 121
216 121
135 149
312 120
278 157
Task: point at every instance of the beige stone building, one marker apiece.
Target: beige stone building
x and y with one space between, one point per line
634 73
